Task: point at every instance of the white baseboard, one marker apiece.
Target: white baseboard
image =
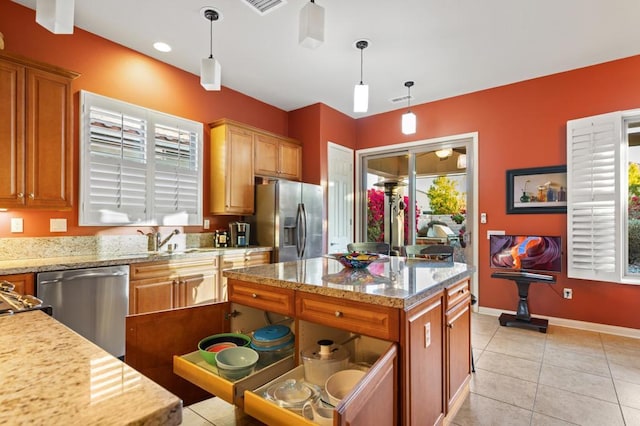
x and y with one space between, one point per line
581 325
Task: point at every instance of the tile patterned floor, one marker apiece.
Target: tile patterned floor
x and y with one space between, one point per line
563 377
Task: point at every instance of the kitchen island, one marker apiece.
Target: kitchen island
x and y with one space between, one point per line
410 317
51 375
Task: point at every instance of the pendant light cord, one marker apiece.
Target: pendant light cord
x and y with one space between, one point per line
211 38
361 63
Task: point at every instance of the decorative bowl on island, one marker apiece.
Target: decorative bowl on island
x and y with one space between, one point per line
356 260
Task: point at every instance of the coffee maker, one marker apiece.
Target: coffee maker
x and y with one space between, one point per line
239 232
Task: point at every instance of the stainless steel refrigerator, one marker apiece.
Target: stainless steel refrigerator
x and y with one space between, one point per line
289 218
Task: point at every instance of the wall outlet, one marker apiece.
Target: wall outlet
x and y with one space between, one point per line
427 335
57 225
17 224
567 293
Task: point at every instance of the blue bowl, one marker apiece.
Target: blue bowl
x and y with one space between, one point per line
355 259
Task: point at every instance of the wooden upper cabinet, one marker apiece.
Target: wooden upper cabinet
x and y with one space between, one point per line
277 157
36 134
231 169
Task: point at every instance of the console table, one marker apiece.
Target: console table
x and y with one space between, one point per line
522 318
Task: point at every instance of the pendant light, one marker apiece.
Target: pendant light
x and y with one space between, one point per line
361 90
408 118
210 70
462 161
444 153
56 15
311 33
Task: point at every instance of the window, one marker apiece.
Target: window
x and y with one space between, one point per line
603 229
138 166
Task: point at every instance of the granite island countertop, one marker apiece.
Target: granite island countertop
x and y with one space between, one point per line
44 264
51 375
397 282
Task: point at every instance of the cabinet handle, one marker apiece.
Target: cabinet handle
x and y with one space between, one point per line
461 291
255 296
31 196
338 314
20 195
450 325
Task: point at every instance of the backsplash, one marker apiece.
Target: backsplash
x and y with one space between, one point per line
34 248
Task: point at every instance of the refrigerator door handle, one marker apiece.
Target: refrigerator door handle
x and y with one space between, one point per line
304 230
299 237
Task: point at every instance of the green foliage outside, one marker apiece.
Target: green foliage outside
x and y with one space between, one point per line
444 198
634 241
634 179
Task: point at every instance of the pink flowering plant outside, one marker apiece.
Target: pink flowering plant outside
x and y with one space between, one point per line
375 215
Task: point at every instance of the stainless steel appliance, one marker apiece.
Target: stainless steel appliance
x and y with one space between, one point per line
289 219
93 302
239 232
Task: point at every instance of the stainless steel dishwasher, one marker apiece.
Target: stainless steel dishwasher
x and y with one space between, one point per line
92 302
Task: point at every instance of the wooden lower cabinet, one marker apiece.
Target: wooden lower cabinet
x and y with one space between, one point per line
239 259
24 283
424 367
458 351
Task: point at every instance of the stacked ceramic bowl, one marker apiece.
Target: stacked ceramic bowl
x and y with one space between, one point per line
273 343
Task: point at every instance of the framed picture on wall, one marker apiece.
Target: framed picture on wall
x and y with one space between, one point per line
537 190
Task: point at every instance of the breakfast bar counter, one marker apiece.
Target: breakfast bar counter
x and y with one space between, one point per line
51 375
396 282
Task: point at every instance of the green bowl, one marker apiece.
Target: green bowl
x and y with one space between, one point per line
218 339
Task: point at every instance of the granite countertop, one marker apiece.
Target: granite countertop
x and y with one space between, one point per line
44 264
51 375
396 282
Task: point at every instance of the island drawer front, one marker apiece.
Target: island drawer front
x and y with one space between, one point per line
364 318
456 293
273 299
196 370
173 267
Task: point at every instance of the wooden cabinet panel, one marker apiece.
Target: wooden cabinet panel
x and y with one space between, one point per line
456 293
424 380
24 283
458 350
290 160
266 155
36 139
152 295
368 319
199 289
232 182
240 259
277 157
273 299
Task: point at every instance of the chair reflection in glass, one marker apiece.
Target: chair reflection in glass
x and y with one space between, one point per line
369 247
439 252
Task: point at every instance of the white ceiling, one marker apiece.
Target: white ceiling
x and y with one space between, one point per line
448 47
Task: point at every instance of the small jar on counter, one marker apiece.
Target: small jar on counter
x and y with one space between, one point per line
221 238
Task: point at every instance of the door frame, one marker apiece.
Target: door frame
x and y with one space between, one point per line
470 141
346 150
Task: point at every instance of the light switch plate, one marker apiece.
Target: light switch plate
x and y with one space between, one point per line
17 224
58 225
206 224
427 335
483 218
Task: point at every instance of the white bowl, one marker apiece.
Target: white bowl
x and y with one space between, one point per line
339 384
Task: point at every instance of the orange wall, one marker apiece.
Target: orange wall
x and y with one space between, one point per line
523 125
112 70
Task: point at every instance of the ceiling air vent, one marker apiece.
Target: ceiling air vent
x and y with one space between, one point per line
401 99
263 7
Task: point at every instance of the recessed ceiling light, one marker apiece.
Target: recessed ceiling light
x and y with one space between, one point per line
162 46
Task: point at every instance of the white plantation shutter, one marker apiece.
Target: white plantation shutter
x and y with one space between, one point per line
594 201
138 166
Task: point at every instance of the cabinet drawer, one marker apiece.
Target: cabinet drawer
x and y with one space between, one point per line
370 320
456 293
195 369
173 267
274 299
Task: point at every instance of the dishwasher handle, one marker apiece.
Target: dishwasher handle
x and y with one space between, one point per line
84 275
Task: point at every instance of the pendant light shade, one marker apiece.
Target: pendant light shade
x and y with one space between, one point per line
56 15
311 33
444 153
408 118
361 90
210 68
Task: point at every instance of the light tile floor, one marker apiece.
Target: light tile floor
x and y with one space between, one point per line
523 377
563 377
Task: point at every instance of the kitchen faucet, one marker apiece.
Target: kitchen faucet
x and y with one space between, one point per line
155 241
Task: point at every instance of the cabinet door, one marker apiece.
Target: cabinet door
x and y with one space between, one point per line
152 295
153 339
239 167
199 289
424 384
290 161
265 155
12 138
49 140
375 400
23 283
458 347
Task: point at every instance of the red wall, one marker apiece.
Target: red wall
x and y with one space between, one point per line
112 70
523 125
